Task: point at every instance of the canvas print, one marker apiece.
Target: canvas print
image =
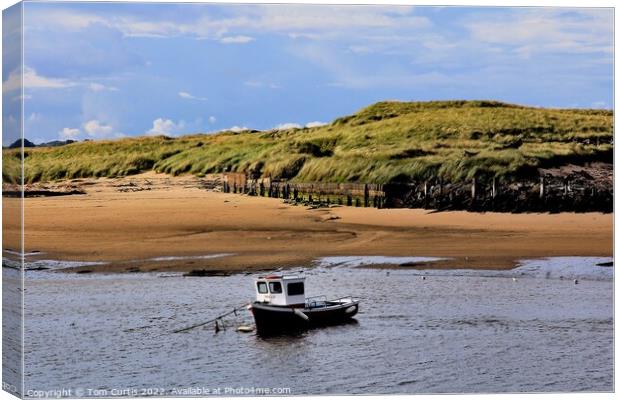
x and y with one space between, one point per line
218 199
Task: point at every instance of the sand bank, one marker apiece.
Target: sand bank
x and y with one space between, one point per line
147 216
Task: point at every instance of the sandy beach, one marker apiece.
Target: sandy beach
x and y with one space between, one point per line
126 221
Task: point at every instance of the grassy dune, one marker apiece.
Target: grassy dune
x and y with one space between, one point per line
387 141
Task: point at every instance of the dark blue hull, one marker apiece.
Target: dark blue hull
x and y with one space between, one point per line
282 319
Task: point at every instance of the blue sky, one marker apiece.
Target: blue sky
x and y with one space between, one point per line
95 71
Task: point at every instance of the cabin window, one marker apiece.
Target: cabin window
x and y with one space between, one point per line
295 289
262 287
275 287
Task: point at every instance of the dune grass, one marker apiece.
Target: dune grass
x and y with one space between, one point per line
385 142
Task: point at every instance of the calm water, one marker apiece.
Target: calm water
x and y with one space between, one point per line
455 331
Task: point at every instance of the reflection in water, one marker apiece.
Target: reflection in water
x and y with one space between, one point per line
455 332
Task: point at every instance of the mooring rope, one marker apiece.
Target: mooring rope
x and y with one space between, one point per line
219 317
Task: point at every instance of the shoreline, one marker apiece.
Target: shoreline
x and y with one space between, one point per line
426 265
165 216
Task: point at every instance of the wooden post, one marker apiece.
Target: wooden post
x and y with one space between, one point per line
366 195
349 200
473 188
541 193
493 191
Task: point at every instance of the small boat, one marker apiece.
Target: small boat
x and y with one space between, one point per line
281 306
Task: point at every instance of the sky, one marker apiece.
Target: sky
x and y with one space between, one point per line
110 70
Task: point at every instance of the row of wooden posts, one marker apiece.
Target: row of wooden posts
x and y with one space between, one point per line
427 194
349 194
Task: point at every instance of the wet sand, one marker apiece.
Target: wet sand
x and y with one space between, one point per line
125 220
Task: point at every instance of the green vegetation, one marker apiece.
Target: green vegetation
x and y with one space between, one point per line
388 141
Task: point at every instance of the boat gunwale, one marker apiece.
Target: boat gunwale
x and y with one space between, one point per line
292 308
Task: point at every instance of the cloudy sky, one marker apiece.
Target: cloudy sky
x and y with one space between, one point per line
111 70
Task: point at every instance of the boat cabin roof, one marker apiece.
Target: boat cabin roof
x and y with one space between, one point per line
281 277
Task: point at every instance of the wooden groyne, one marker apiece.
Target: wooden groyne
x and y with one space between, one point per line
346 194
549 193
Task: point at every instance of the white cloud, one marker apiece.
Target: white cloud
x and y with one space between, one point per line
212 119
236 39
66 19
296 20
237 128
306 20
359 49
69 133
32 80
33 117
166 127
547 30
97 129
287 125
440 57
315 124
98 87
186 95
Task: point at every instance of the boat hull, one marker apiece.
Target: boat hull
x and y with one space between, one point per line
281 319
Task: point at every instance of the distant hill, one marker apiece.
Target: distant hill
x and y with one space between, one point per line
385 142
27 143
18 144
56 143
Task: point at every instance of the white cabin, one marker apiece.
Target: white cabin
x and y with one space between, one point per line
281 290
